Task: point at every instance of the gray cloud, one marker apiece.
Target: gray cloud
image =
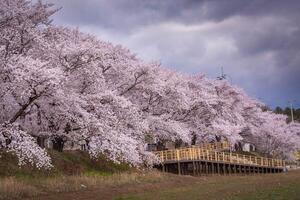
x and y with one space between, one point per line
127 14
257 42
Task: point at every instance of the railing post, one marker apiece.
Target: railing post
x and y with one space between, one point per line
249 162
261 161
279 163
178 162
207 155
223 155
193 153
200 153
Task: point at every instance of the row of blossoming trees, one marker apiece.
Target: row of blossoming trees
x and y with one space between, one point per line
62 84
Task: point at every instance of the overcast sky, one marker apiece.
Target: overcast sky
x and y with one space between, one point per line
257 42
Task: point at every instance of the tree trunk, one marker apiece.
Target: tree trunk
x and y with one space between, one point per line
58 144
160 146
41 141
194 139
178 143
218 138
238 147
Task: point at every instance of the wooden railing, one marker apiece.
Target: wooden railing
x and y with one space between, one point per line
197 153
298 155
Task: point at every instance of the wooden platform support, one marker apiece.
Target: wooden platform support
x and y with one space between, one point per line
208 159
198 168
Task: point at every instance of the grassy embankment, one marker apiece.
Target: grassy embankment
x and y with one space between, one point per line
77 177
72 171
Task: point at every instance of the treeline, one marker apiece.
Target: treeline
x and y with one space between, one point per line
287 111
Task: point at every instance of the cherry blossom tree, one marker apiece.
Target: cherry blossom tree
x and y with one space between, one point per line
23 78
66 85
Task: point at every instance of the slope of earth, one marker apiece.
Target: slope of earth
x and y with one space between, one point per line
65 163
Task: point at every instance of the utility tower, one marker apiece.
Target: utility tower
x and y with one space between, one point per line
222 76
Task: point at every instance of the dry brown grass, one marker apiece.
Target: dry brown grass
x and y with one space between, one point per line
152 185
11 188
19 188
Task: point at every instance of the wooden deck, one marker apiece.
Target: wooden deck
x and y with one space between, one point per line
210 158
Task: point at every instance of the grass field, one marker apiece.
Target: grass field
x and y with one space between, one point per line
266 187
77 177
154 185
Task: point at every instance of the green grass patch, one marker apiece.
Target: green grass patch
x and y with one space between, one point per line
258 187
286 192
94 173
65 163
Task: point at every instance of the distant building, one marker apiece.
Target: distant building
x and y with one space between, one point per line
248 147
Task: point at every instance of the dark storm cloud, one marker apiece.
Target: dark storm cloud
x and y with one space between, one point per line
133 13
257 42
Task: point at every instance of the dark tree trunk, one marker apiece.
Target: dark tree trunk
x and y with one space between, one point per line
7 141
160 146
87 144
41 141
238 147
178 143
218 138
58 144
194 139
